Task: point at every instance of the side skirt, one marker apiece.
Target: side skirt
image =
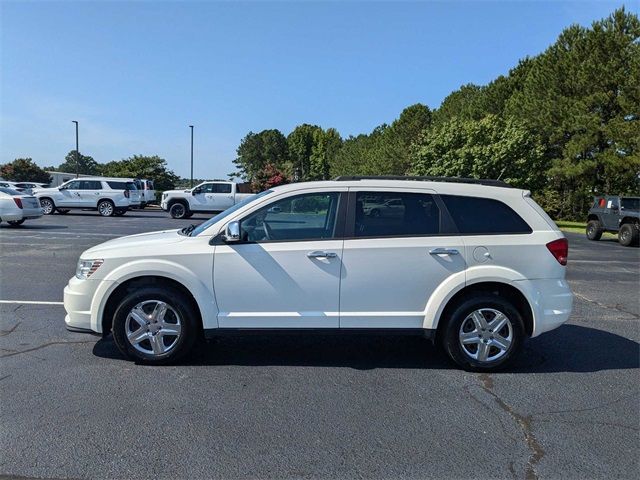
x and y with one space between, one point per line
210 333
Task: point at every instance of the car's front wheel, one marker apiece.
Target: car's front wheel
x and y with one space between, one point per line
47 206
483 333
594 230
155 325
178 210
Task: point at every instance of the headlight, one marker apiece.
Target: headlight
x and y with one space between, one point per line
86 268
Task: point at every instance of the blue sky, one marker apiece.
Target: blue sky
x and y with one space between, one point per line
136 74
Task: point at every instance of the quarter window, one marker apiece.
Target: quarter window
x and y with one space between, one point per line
303 217
477 216
396 214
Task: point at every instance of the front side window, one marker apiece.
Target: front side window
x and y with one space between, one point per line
75 185
480 216
396 214
303 217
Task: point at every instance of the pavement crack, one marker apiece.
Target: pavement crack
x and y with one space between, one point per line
523 422
44 345
4 333
604 305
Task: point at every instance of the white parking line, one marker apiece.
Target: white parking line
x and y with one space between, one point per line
29 302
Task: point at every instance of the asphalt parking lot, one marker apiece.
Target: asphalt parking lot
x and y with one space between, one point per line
292 407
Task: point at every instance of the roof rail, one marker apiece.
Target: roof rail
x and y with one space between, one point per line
476 181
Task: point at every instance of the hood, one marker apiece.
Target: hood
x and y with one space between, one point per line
187 190
140 240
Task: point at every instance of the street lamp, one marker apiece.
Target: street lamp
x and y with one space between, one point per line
77 152
191 181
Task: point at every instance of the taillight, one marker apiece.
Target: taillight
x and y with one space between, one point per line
560 250
18 202
126 193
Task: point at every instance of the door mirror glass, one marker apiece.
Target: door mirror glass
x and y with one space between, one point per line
232 232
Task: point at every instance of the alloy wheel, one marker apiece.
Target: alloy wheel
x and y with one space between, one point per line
486 335
47 206
153 327
105 209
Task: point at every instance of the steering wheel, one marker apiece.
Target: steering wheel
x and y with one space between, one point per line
268 232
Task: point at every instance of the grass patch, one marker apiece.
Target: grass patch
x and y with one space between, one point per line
578 227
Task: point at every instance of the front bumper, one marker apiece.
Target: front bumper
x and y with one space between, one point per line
78 299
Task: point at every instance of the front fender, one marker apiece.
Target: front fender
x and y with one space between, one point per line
155 268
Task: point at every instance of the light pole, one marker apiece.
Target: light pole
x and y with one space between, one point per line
191 181
77 152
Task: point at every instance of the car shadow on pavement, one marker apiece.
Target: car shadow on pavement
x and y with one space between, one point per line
571 348
31 226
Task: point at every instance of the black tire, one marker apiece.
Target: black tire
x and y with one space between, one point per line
62 211
189 214
48 207
106 208
179 210
629 234
119 212
16 223
594 230
190 330
458 322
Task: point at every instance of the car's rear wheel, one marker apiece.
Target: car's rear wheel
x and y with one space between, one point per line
47 205
483 333
15 223
178 210
629 234
155 325
594 230
119 212
106 208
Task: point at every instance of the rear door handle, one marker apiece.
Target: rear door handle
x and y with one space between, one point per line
320 254
444 251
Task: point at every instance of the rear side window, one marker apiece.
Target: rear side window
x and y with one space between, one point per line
630 203
396 214
122 185
90 185
221 188
478 216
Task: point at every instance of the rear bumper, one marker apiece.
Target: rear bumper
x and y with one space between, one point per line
551 301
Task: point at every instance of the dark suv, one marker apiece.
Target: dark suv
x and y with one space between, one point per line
615 214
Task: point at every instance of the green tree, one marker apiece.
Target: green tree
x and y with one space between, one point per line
326 145
582 96
143 166
488 148
85 164
256 150
300 146
24 170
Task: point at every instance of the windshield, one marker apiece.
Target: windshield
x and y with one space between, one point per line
203 226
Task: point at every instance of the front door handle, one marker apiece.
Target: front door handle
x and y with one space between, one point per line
320 254
444 251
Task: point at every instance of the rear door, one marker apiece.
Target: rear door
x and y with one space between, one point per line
90 192
392 263
222 196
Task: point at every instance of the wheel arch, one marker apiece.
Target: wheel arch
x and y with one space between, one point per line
629 219
500 289
593 216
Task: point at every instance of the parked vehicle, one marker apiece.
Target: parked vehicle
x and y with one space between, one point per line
473 265
615 214
214 196
7 184
147 191
15 207
28 187
109 196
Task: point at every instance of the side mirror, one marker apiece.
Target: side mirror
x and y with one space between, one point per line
231 232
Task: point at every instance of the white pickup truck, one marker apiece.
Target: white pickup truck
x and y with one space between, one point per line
214 196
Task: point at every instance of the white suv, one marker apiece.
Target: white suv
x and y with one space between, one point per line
109 196
474 265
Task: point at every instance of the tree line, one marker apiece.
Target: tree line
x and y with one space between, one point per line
564 124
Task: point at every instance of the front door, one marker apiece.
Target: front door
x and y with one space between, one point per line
285 271
393 263
70 195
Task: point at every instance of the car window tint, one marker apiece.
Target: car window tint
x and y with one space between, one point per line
73 185
222 188
90 185
206 188
118 185
397 214
131 186
630 203
303 217
476 215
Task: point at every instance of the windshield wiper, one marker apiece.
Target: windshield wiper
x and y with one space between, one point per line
187 230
